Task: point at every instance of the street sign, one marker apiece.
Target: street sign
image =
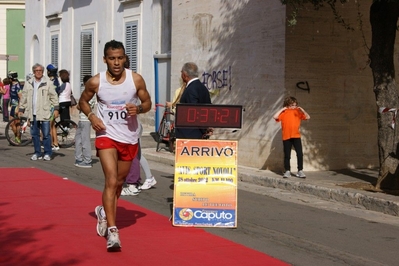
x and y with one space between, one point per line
8 57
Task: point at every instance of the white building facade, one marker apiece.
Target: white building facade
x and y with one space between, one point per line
247 55
71 34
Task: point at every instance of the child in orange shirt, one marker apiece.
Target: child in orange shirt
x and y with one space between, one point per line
290 116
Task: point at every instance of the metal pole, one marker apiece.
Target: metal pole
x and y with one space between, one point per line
7 59
156 93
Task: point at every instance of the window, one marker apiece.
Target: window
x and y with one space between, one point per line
131 43
86 53
54 50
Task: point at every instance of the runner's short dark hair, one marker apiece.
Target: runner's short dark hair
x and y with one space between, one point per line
113 45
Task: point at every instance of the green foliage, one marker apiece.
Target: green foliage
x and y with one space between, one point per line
317 4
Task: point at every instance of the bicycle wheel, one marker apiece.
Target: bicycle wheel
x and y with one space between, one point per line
66 131
17 132
161 133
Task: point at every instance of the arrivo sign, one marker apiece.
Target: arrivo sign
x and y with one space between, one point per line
208 115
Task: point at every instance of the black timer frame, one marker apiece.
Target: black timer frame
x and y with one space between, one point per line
208 115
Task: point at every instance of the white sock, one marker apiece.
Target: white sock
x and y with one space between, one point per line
110 228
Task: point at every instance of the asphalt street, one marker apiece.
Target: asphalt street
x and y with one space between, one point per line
298 228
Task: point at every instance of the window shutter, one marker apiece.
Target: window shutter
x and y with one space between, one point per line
131 42
86 54
54 50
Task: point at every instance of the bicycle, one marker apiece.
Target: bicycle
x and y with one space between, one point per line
66 131
16 132
166 130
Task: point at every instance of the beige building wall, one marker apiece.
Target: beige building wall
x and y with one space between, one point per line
263 61
333 61
239 47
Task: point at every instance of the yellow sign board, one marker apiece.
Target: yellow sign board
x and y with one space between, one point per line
205 183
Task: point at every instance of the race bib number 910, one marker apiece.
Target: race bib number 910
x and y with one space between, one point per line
114 116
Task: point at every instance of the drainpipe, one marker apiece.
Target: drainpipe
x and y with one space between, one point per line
156 73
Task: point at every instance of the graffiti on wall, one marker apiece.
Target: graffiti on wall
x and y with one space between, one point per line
202 25
217 79
303 85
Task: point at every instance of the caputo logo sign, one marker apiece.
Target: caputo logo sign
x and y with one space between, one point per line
186 214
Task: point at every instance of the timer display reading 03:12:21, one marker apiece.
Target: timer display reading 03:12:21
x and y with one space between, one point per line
208 115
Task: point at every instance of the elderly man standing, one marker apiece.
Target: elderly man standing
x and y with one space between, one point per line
195 93
38 96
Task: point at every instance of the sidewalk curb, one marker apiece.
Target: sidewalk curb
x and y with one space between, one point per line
363 199
352 196
159 157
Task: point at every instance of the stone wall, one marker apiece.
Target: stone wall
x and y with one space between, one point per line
333 62
248 56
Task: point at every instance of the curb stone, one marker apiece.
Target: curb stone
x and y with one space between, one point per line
323 186
350 197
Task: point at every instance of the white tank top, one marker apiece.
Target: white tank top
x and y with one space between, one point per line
65 95
111 100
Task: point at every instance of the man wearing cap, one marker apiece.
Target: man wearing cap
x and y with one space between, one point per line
52 74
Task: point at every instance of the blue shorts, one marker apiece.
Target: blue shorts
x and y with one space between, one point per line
14 110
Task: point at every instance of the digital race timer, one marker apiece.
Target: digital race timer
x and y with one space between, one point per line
208 115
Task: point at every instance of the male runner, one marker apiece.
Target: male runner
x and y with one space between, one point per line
121 96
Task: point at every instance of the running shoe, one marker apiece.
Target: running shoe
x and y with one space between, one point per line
149 183
83 165
130 190
36 157
101 222
55 147
113 242
47 157
301 174
287 174
17 140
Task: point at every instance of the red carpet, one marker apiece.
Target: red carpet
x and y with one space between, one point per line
46 220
